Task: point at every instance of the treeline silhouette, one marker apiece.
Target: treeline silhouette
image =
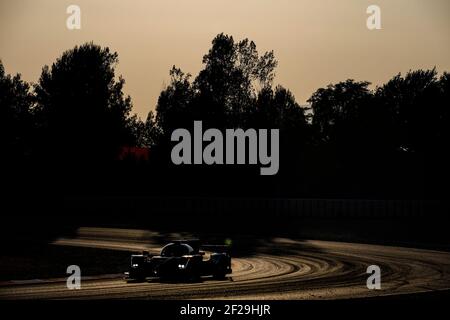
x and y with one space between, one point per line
65 133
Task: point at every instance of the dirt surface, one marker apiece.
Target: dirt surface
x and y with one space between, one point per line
279 269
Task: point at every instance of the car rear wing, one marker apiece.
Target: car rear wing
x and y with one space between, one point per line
197 246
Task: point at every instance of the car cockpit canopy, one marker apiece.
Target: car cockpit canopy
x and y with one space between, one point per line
176 250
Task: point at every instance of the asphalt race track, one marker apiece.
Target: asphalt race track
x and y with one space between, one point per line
284 269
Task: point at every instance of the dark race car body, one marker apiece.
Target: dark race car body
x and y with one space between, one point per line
182 259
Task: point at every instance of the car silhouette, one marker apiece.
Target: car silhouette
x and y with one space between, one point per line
181 259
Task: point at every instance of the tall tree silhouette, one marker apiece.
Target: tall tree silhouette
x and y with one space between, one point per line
418 105
224 90
83 113
146 132
278 109
443 135
174 108
224 93
16 122
337 108
414 103
227 86
233 90
343 122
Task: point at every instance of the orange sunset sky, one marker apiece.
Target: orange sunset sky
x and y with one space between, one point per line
316 42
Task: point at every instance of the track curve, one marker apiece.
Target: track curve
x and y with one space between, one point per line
285 269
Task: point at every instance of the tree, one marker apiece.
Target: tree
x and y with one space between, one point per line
443 135
344 129
278 109
337 108
82 111
174 108
413 103
16 122
227 86
223 93
147 133
418 106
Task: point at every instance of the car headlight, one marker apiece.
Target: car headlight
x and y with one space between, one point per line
135 265
181 266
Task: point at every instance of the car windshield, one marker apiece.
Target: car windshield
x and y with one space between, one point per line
137 259
176 250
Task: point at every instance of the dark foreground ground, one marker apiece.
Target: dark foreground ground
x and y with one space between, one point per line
42 261
266 267
27 252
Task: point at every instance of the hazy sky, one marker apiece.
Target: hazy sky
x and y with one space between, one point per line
316 42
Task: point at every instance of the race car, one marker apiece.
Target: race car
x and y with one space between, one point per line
181 259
